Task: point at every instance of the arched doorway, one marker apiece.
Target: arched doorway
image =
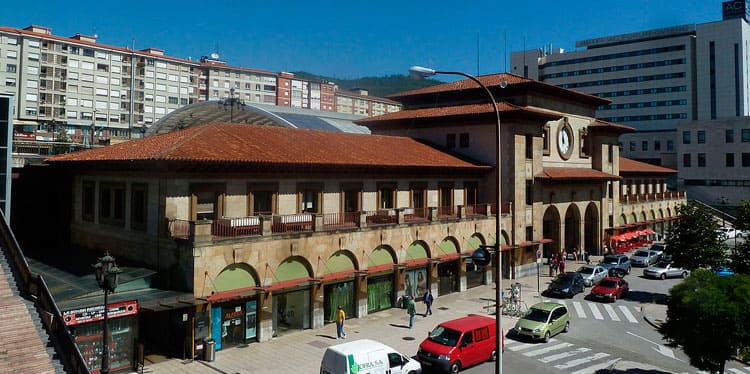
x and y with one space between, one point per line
591 230
448 271
572 228
291 304
475 275
234 321
380 279
551 230
340 291
416 276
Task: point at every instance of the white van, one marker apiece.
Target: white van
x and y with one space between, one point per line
366 356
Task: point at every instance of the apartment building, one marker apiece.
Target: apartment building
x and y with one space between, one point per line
656 78
358 102
96 92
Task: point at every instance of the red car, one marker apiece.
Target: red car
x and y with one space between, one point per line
610 288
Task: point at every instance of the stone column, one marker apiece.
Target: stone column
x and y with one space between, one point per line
360 295
265 316
266 224
432 275
398 278
316 304
462 274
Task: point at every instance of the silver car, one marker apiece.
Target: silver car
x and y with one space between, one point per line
592 274
664 270
645 257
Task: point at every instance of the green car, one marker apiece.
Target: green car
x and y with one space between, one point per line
543 320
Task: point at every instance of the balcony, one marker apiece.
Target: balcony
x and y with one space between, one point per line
269 225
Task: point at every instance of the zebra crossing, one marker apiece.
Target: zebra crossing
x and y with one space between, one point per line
587 309
563 355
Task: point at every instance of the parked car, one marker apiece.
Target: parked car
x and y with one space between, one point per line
566 285
366 355
592 274
645 257
542 321
610 288
723 271
459 343
726 233
616 265
664 270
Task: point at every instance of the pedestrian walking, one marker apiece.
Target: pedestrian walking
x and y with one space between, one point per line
428 299
411 310
555 263
340 318
562 263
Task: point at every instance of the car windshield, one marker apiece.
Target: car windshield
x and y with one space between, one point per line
586 270
607 283
563 279
445 336
610 260
662 265
641 254
536 315
657 247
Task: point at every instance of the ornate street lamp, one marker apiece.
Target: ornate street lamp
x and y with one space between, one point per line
419 72
232 102
107 274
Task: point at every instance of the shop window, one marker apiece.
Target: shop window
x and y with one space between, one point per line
351 197
686 160
112 203
138 206
88 200
262 198
309 197
701 160
207 200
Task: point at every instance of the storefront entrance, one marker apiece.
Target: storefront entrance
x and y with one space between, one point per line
379 292
415 282
291 311
232 326
475 275
335 295
448 277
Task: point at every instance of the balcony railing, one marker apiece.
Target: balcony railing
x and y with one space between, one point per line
639 198
266 224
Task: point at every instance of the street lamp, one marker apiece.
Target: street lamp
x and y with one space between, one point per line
231 102
107 274
419 72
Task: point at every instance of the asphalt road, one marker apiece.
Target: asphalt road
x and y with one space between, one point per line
603 336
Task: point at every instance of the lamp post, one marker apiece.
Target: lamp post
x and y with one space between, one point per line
419 72
107 274
231 102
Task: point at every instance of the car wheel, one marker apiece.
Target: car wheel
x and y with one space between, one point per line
493 356
412 372
628 272
546 337
567 327
456 367
684 274
663 276
614 298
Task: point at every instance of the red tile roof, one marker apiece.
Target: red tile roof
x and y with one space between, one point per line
636 167
272 148
454 110
599 124
492 80
573 174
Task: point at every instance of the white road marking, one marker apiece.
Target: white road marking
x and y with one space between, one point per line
733 370
579 309
595 368
582 360
611 312
628 315
595 311
544 350
520 346
561 356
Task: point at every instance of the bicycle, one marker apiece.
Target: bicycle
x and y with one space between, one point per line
513 308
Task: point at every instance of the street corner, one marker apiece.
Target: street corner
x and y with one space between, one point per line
654 314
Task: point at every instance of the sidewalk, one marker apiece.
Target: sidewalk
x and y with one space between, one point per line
301 351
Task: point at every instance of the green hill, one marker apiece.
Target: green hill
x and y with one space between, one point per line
376 86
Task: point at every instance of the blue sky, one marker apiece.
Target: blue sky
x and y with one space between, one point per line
351 39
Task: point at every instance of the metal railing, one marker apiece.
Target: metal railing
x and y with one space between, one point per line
336 221
33 286
382 217
638 198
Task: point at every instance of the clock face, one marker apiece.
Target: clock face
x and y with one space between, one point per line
565 140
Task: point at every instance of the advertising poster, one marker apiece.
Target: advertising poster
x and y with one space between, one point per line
415 282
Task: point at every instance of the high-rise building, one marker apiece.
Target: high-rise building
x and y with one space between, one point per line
91 89
656 79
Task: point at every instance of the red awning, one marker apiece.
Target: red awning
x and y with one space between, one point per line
449 256
649 231
287 284
417 262
337 276
239 293
379 268
545 240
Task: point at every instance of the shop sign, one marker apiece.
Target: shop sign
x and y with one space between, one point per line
96 313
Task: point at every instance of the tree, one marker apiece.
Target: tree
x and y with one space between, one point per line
740 257
693 241
706 305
